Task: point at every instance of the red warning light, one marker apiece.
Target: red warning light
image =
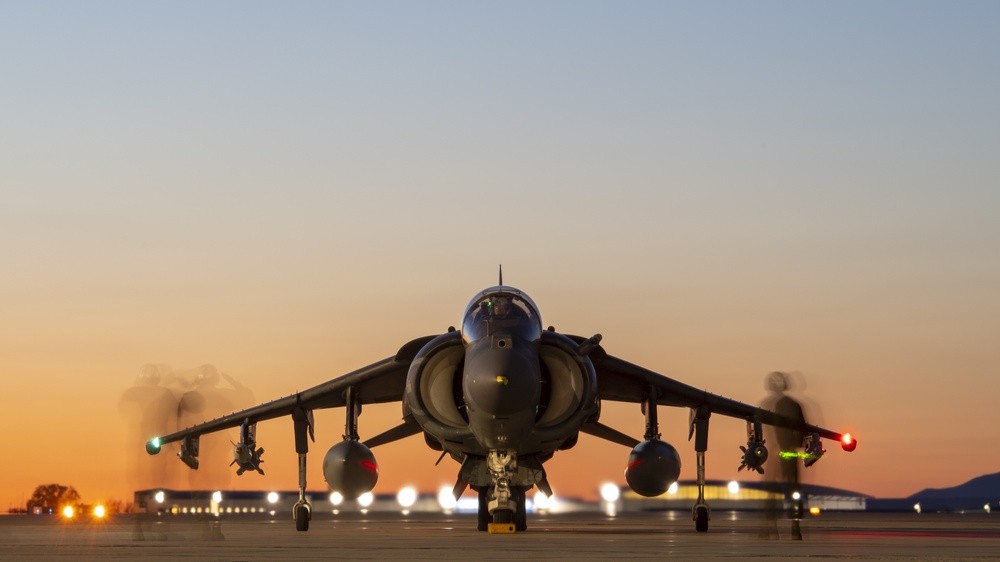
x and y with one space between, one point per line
848 443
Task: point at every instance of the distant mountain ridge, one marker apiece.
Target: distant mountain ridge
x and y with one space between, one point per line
986 487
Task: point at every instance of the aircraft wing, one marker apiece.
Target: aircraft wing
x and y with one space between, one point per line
379 382
621 381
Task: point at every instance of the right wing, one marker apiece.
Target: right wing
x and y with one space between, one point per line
377 383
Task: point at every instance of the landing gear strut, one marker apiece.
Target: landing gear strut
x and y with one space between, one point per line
501 499
303 424
701 513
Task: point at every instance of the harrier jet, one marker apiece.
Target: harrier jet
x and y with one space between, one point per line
501 396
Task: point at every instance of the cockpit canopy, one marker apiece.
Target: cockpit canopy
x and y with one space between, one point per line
501 311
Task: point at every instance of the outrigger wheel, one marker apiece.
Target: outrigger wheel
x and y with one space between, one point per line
302 516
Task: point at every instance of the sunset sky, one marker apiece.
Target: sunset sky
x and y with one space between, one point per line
291 191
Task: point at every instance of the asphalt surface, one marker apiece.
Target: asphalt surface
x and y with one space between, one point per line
574 536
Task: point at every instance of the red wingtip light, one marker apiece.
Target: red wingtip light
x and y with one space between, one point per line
848 443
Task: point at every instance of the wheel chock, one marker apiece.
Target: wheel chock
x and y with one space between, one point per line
501 528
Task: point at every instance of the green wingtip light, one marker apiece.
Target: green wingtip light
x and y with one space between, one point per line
153 446
795 455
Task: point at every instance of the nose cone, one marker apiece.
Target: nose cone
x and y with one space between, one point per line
501 378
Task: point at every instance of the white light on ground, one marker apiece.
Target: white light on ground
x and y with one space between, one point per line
796 496
366 499
217 497
160 496
407 497
272 497
734 487
545 503
610 492
916 507
672 489
336 498
987 508
446 500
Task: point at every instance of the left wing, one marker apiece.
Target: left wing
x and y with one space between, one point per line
619 380
377 383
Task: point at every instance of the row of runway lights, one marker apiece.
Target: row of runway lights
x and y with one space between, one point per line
408 496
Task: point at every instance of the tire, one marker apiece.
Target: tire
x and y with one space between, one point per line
521 511
503 516
483 515
302 518
701 520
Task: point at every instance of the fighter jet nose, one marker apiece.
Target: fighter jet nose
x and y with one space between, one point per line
501 380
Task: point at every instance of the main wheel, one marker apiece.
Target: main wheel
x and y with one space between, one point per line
521 510
483 519
701 519
302 518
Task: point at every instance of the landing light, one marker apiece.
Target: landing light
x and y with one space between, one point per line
796 496
217 497
160 496
407 497
610 492
672 489
99 511
68 512
272 497
734 487
336 498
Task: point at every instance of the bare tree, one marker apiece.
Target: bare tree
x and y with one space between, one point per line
53 496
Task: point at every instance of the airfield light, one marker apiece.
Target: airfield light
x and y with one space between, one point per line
407 497
336 498
446 499
160 496
99 512
610 492
814 510
366 499
272 497
734 487
672 489
68 512
541 501
217 497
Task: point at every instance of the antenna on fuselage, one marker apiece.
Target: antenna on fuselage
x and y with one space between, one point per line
501 274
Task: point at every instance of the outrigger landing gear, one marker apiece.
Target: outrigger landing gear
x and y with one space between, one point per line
701 512
303 423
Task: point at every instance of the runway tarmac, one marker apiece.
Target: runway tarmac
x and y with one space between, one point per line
574 536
